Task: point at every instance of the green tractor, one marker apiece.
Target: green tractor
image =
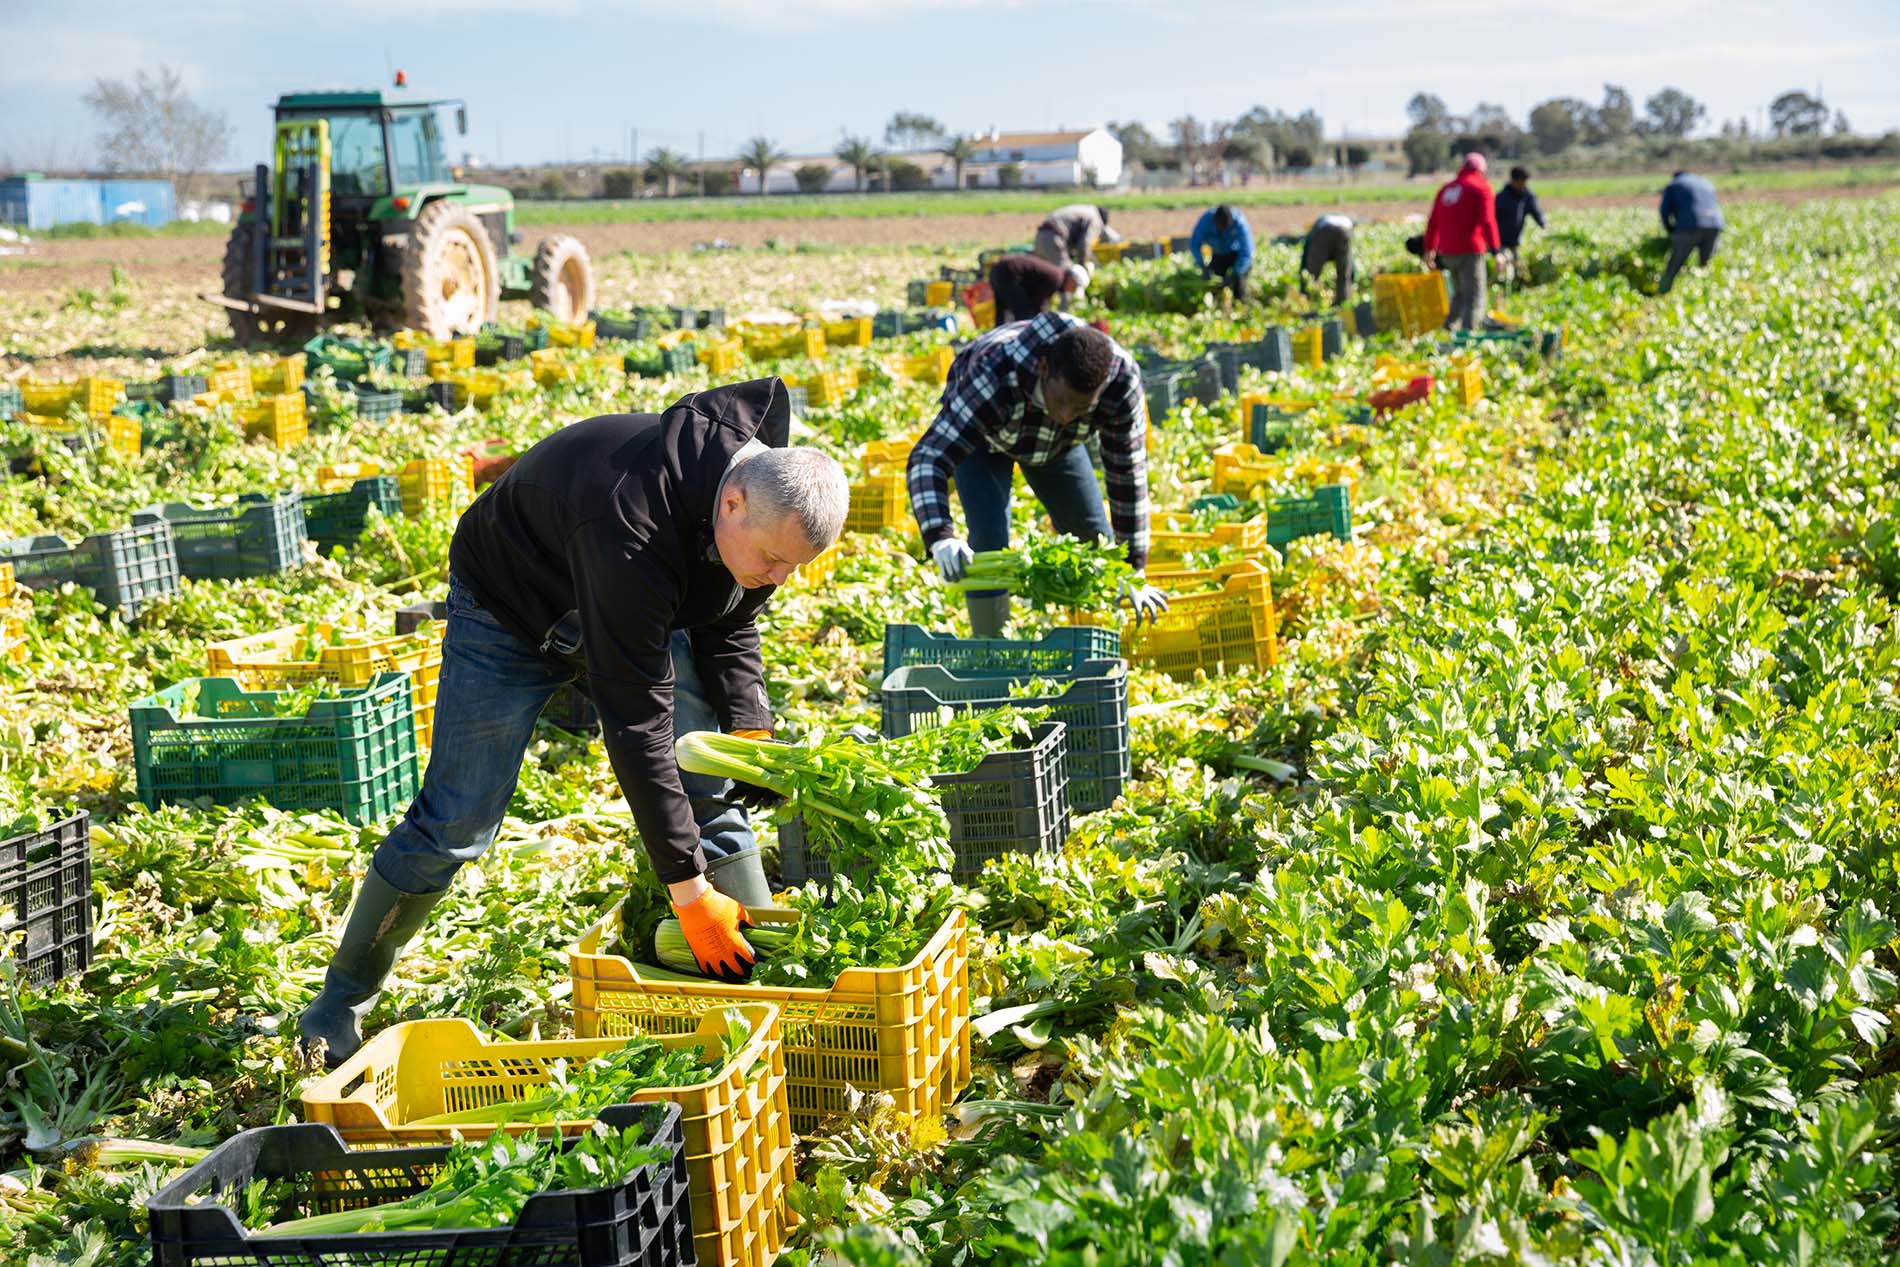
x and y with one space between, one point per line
360 217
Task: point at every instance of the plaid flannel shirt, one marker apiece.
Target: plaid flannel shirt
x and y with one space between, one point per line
987 401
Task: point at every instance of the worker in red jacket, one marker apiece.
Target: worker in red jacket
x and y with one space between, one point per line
1461 230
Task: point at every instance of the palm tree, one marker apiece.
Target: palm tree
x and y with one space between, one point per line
667 166
762 156
859 153
958 150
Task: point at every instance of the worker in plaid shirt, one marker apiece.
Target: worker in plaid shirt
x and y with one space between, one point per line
1031 394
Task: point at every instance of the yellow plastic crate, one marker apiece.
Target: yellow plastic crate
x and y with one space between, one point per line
1467 380
550 366
13 640
94 395
983 314
1239 468
1218 621
562 335
480 387
281 420
880 455
1309 347
905 1030
429 482
1108 252
848 332
820 569
269 661
937 294
278 374
673 338
829 387
928 367
722 357
878 501
1410 303
1389 372
6 580
121 434
336 477
1169 541
228 383
457 354
737 1123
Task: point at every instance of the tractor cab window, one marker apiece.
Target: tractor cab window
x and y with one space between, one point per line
416 147
357 167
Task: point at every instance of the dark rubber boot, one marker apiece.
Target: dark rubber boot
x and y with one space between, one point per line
988 616
741 877
381 922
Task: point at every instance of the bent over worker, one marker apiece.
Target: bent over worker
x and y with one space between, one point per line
1461 230
1069 234
632 551
1023 285
1329 241
1227 240
1031 395
1694 221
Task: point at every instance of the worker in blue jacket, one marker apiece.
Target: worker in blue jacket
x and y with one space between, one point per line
1694 222
1228 242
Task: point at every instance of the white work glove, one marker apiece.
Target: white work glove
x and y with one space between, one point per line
953 555
1146 599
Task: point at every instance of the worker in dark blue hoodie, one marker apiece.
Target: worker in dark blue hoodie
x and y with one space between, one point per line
1694 222
1228 241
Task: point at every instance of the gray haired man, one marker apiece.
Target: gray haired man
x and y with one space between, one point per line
630 552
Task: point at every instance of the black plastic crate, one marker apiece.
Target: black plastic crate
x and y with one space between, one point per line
959 276
176 387
412 362
1094 706
916 294
1270 429
448 394
1275 351
1364 324
1061 650
258 536
644 1220
46 888
125 568
1009 802
1332 338
338 519
1163 391
408 618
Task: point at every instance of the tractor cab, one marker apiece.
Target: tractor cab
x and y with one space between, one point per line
360 215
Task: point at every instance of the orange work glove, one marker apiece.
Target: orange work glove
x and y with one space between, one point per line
751 734
711 924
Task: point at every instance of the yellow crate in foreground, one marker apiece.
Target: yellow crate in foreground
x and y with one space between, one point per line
1218 621
279 658
904 1031
737 1122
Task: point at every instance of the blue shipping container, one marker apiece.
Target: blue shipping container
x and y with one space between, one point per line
33 202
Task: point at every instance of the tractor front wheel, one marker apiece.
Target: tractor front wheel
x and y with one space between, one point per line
563 284
450 284
272 325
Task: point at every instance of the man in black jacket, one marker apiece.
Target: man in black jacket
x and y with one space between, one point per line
634 551
1516 203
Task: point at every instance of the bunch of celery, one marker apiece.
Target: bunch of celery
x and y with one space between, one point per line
1052 571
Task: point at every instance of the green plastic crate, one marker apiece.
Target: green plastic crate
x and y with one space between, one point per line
349 359
338 519
258 536
355 754
1328 510
1058 651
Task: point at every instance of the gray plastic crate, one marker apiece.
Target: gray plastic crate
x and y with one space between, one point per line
125 568
258 536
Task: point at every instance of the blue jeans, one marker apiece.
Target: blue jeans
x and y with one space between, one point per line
1066 488
492 688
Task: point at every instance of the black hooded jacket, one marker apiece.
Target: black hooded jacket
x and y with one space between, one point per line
603 531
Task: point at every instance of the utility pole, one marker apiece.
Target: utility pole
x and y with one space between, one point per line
702 164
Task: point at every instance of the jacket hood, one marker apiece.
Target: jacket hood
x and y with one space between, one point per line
1474 162
713 425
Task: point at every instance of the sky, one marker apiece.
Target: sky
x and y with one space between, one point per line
569 80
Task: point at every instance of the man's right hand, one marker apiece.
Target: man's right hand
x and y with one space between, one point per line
712 924
953 556
1430 260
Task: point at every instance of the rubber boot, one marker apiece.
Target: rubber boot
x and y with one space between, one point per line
741 877
988 616
381 922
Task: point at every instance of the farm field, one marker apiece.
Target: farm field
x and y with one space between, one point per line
1534 901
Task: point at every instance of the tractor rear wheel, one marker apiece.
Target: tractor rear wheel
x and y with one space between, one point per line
563 285
450 284
249 329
